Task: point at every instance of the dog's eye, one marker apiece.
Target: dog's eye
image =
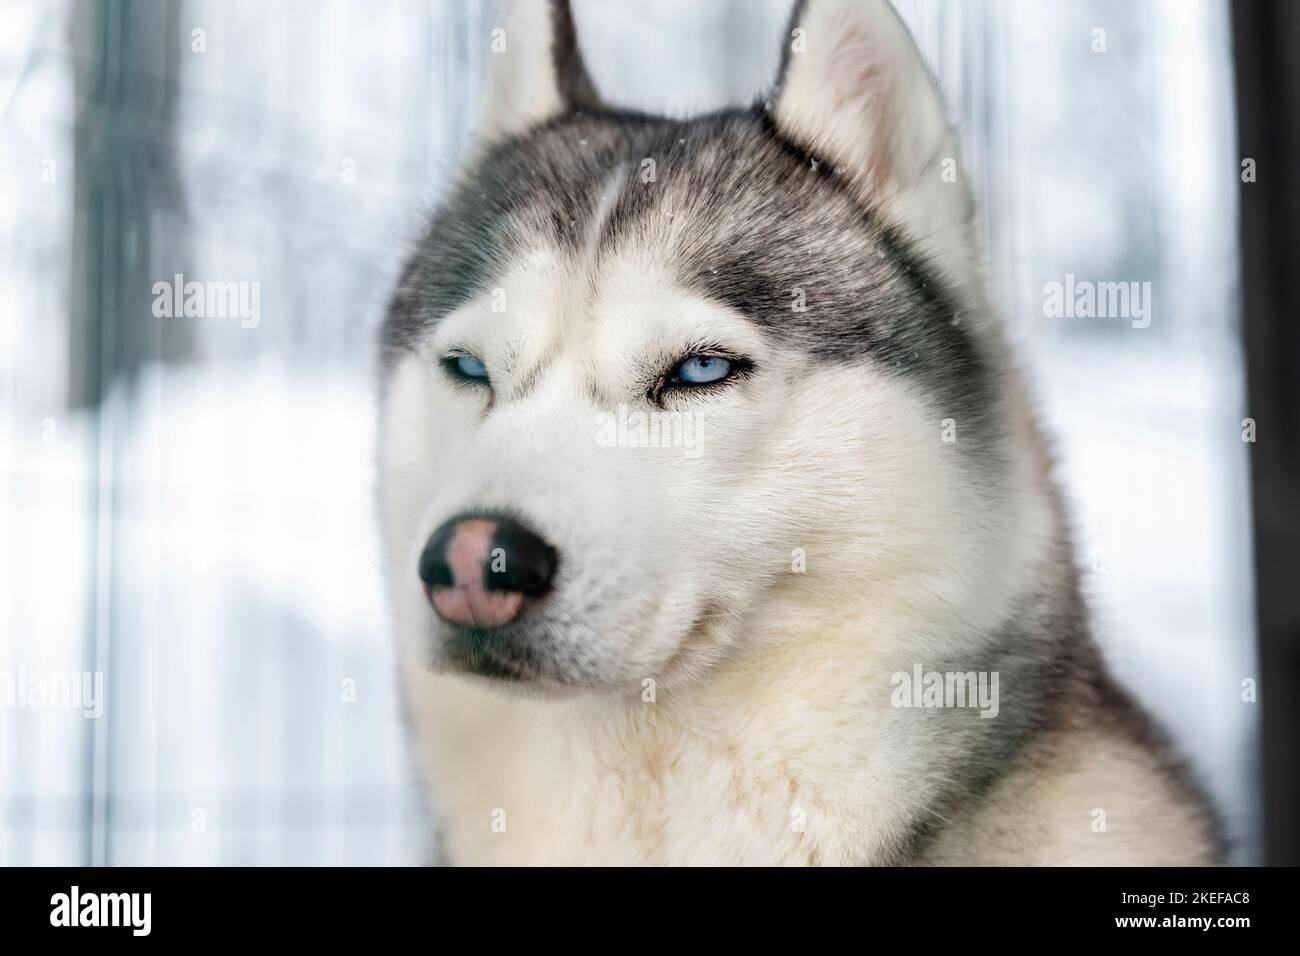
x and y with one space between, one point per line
702 370
466 367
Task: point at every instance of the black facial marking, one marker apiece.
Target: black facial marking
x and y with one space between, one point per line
742 215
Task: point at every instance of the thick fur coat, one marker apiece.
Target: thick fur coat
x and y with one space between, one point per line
714 676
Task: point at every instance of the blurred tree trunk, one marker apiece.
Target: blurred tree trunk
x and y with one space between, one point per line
1268 133
126 81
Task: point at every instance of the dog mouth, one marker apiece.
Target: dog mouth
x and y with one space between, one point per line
489 659
494 658
520 656
480 654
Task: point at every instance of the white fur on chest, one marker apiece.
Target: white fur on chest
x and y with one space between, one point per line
525 781
791 755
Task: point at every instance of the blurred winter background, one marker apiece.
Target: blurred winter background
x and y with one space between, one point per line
185 504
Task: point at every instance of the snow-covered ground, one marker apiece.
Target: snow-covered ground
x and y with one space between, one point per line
235 610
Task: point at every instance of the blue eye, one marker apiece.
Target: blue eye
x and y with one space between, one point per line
703 369
467 366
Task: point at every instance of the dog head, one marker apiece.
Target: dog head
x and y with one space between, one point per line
641 373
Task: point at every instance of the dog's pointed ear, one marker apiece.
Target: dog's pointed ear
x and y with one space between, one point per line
855 93
535 69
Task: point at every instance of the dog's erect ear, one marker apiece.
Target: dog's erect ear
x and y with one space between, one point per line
535 70
855 92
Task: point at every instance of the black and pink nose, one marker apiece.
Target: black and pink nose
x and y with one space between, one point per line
478 570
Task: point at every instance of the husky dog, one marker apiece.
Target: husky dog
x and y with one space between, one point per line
765 648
